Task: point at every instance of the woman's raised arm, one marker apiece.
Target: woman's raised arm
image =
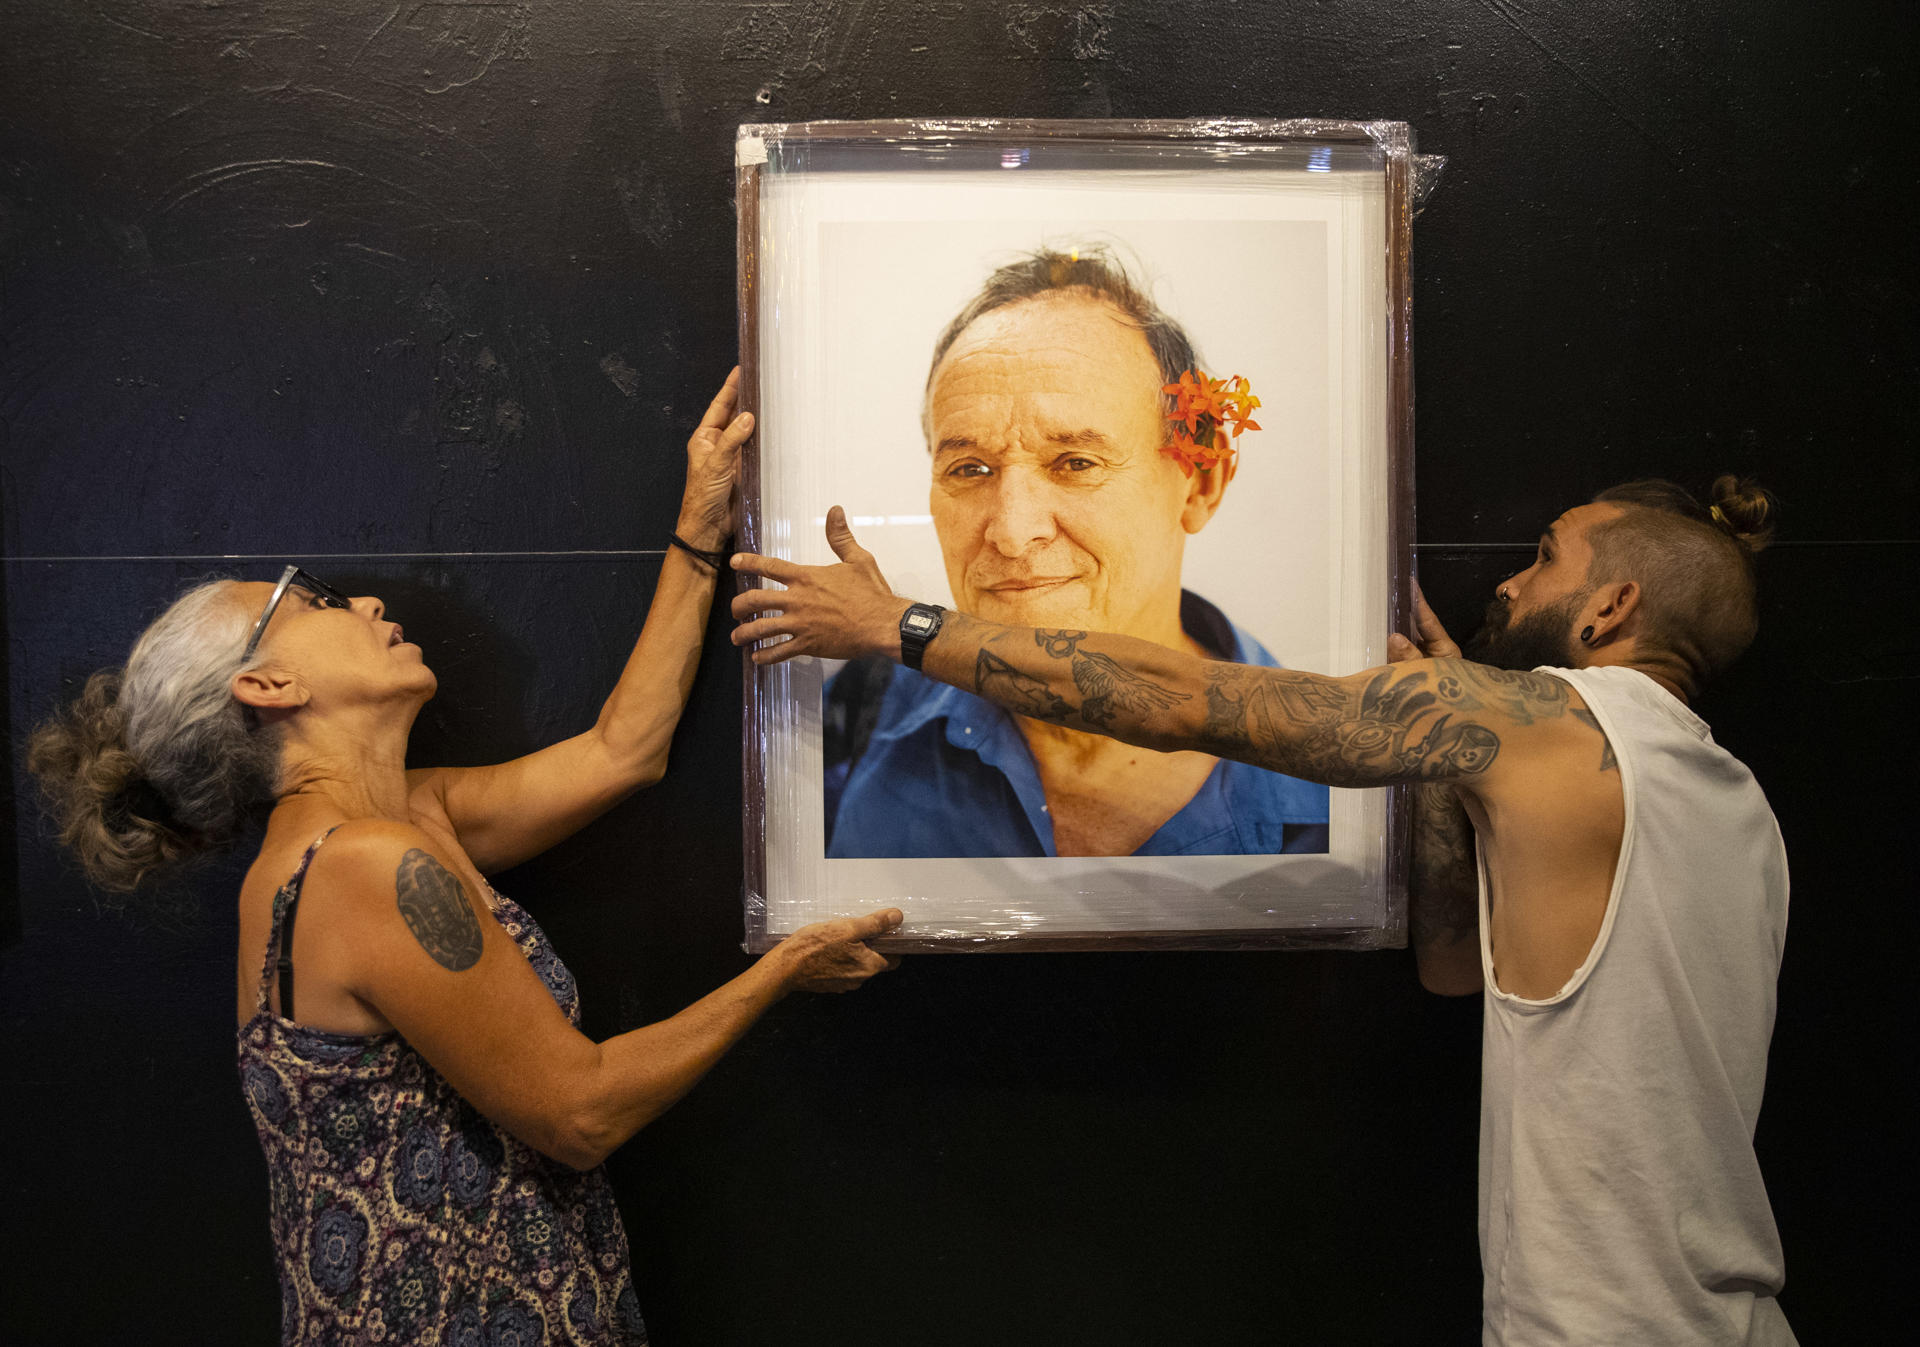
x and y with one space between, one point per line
508 812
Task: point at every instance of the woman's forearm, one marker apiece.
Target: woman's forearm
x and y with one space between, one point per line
635 1077
638 720
636 725
638 1075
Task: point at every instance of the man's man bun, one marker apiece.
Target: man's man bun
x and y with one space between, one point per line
1744 509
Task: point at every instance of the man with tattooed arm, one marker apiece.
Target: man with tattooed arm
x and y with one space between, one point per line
1625 911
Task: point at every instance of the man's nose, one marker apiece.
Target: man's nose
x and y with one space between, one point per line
1023 512
369 606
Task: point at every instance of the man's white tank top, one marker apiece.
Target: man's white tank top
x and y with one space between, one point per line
1620 1200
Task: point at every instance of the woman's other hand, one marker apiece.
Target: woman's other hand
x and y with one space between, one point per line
833 956
713 469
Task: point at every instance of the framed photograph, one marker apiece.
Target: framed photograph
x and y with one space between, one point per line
979 338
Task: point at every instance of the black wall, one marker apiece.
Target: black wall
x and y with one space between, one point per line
433 294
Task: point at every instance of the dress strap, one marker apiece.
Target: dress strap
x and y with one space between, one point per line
280 939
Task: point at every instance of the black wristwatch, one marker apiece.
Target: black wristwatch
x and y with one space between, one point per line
919 625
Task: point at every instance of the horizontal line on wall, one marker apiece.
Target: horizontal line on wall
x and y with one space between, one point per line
657 552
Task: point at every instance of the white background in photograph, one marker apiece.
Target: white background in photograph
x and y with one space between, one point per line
1252 296
1278 275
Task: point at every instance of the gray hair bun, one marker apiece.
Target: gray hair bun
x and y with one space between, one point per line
155 764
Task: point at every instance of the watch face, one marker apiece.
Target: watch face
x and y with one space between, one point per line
919 621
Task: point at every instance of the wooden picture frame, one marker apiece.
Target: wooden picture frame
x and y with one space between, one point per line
1285 247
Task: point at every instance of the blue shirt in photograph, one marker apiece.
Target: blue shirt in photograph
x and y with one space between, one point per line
934 771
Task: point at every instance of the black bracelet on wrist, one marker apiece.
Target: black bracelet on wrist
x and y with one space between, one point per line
717 560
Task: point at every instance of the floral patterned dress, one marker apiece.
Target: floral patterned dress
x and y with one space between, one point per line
401 1215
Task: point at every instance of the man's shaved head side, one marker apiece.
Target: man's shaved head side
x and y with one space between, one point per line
1693 563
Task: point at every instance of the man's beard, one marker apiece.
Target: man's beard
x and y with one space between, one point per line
1544 636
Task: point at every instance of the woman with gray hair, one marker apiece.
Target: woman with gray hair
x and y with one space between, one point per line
434 1121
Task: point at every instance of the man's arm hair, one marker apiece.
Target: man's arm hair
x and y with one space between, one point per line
1424 720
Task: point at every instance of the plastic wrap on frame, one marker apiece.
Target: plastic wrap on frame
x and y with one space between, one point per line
775 723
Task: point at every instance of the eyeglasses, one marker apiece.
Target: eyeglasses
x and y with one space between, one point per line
305 579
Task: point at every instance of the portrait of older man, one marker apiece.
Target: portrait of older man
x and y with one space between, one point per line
1056 507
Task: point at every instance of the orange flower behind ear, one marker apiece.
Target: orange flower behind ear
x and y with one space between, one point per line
1202 408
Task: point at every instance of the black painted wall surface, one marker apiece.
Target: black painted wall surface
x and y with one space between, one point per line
433 293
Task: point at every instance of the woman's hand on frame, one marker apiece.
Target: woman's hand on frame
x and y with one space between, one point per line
713 469
833 956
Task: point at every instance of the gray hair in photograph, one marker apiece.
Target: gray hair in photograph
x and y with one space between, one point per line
1091 270
157 762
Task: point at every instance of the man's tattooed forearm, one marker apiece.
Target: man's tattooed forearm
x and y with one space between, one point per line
1393 729
1107 688
437 911
1396 726
1021 693
1248 711
1061 644
1607 761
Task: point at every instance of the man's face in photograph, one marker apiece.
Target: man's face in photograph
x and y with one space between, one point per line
1054 503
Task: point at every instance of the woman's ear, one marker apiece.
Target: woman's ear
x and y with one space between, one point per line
1205 490
268 690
